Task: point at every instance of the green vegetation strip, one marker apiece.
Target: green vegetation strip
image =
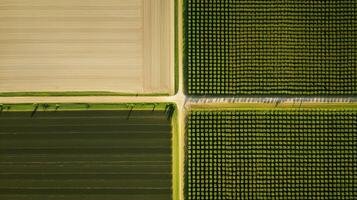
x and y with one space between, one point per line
176 46
275 106
175 156
84 106
273 47
271 154
106 151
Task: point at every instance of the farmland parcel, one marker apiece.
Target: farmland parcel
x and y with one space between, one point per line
87 155
272 154
274 47
124 46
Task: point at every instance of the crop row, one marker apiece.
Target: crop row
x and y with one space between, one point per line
266 154
271 47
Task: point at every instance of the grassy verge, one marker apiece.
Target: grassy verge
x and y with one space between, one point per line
277 106
175 156
83 106
185 46
67 93
176 46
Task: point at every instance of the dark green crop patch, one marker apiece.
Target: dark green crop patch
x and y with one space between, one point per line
272 154
85 154
274 47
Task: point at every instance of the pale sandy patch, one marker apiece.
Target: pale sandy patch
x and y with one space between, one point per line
87 45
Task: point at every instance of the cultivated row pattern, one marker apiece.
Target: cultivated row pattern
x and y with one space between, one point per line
281 154
88 155
236 47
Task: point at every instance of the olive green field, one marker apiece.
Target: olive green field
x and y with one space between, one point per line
86 154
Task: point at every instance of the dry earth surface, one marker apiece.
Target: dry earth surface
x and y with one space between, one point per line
87 45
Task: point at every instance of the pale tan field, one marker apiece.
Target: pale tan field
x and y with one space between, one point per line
87 45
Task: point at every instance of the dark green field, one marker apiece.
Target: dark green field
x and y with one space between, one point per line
272 154
271 47
85 155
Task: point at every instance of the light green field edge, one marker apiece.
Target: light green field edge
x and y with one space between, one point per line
175 156
176 46
68 93
83 106
273 106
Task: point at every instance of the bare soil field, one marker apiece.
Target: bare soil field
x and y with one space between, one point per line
87 45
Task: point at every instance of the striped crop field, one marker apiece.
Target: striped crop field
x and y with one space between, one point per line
272 47
272 154
87 155
87 46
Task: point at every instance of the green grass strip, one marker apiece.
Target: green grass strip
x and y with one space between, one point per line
175 156
82 106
